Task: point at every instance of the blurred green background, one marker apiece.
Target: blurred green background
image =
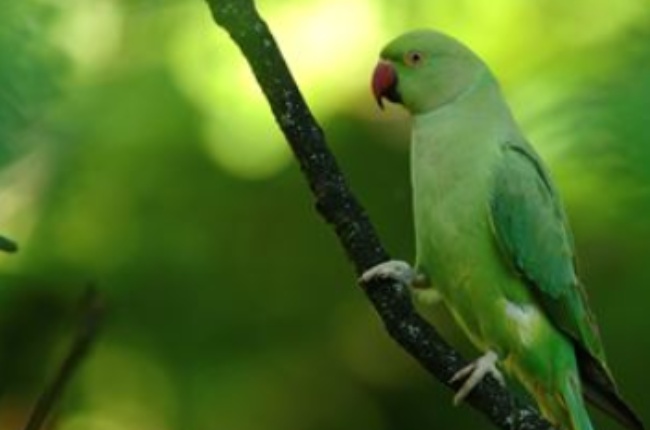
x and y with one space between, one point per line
137 152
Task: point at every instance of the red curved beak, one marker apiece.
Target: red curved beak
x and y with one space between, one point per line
384 82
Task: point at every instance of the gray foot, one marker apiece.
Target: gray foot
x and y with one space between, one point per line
474 373
399 271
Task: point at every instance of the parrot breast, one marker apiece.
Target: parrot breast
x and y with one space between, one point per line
453 168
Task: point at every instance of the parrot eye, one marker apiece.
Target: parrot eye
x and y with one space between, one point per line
413 58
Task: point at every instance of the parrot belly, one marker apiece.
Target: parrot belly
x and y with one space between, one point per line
456 249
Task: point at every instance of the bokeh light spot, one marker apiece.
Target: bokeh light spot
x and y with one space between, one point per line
90 32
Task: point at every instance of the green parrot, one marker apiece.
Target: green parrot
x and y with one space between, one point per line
492 238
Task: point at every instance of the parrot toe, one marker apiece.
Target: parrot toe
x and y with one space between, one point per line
474 373
397 270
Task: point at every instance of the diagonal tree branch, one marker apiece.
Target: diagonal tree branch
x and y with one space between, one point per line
341 209
90 320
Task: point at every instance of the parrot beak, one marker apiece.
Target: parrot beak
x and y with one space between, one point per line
384 83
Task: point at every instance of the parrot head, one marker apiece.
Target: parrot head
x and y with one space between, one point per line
424 70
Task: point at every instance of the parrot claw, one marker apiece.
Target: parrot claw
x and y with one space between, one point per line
397 270
474 373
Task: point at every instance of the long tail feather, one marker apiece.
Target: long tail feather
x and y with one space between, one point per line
572 394
600 390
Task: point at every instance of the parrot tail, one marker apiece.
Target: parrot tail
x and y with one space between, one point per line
577 410
563 406
599 389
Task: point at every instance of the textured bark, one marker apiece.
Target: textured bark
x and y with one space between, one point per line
336 203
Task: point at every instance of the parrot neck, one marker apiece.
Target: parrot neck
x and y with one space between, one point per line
482 100
483 78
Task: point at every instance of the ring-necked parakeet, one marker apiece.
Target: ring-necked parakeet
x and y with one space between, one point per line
491 233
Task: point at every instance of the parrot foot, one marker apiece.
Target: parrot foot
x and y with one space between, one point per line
474 373
396 270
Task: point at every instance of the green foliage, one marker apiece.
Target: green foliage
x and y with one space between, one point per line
28 72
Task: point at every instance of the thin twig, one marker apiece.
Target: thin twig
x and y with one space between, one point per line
341 209
92 309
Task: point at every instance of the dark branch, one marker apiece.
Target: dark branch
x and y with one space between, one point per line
92 312
341 209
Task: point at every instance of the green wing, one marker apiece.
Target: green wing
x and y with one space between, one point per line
532 231
531 228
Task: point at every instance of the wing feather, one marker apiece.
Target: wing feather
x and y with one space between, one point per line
532 231
531 228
